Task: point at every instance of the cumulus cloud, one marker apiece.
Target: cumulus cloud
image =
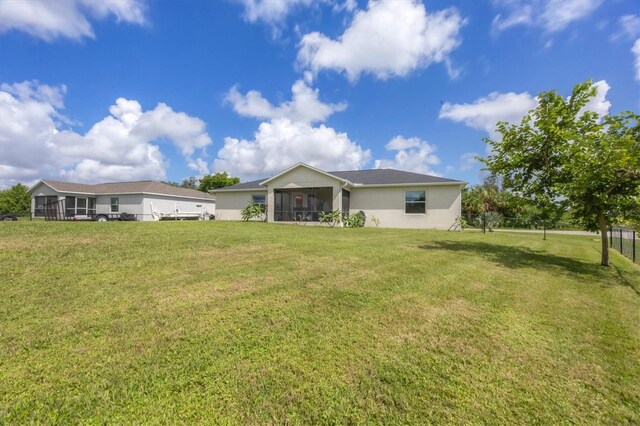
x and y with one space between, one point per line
122 146
305 105
636 51
413 155
48 20
390 38
281 142
550 15
484 113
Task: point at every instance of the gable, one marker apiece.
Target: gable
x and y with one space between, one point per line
303 177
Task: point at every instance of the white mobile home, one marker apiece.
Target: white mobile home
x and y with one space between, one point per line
84 201
397 198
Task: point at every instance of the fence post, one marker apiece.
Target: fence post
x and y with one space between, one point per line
611 236
634 245
621 240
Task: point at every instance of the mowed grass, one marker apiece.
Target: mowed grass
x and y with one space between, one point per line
251 323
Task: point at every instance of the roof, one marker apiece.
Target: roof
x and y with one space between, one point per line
136 187
373 177
389 177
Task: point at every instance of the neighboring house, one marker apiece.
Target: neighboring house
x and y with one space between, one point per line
85 201
398 199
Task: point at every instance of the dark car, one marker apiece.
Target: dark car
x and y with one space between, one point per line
8 216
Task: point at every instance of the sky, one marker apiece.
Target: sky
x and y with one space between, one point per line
114 90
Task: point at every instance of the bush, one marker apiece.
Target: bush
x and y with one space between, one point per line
331 218
254 211
355 220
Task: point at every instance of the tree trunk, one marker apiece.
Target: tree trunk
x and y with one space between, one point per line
604 239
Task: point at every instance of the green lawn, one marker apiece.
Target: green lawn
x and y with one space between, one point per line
216 322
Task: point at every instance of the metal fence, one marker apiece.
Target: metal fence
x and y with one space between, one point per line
489 221
625 240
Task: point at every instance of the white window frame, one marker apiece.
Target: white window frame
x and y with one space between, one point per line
415 202
116 204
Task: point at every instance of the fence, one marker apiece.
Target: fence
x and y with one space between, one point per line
625 240
494 220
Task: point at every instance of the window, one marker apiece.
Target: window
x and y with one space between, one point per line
92 206
115 203
41 202
259 199
81 206
70 206
415 202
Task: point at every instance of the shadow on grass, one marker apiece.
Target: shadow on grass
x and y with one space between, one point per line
518 257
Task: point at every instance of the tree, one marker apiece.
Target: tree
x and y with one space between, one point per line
217 180
190 183
561 154
15 199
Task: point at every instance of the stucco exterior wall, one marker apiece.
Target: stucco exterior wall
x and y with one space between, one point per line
128 203
443 205
303 177
167 204
229 204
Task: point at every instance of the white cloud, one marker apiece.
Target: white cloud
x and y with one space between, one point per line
270 11
550 15
48 20
629 27
390 38
468 161
636 51
599 103
304 106
281 142
413 155
484 113
122 146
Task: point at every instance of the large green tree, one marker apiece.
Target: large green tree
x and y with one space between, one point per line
217 180
563 153
15 199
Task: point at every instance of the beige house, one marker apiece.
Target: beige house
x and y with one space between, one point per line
397 198
105 200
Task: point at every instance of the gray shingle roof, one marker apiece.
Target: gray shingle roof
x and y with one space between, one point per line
363 177
136 187
388 177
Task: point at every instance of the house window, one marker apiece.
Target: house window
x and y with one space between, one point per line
259 199
415 202
115 204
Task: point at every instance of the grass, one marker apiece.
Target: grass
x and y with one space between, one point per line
215 322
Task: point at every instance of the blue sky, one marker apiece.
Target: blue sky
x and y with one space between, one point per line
132 89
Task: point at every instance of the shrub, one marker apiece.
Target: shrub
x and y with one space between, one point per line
355 220
254 211
331 218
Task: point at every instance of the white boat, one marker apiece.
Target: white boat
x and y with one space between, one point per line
177 214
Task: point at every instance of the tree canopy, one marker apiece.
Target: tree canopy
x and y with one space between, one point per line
15 199
217 180
563 154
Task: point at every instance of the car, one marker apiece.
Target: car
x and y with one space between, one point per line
8 217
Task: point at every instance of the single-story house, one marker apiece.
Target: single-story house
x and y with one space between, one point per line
397 199
84 201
